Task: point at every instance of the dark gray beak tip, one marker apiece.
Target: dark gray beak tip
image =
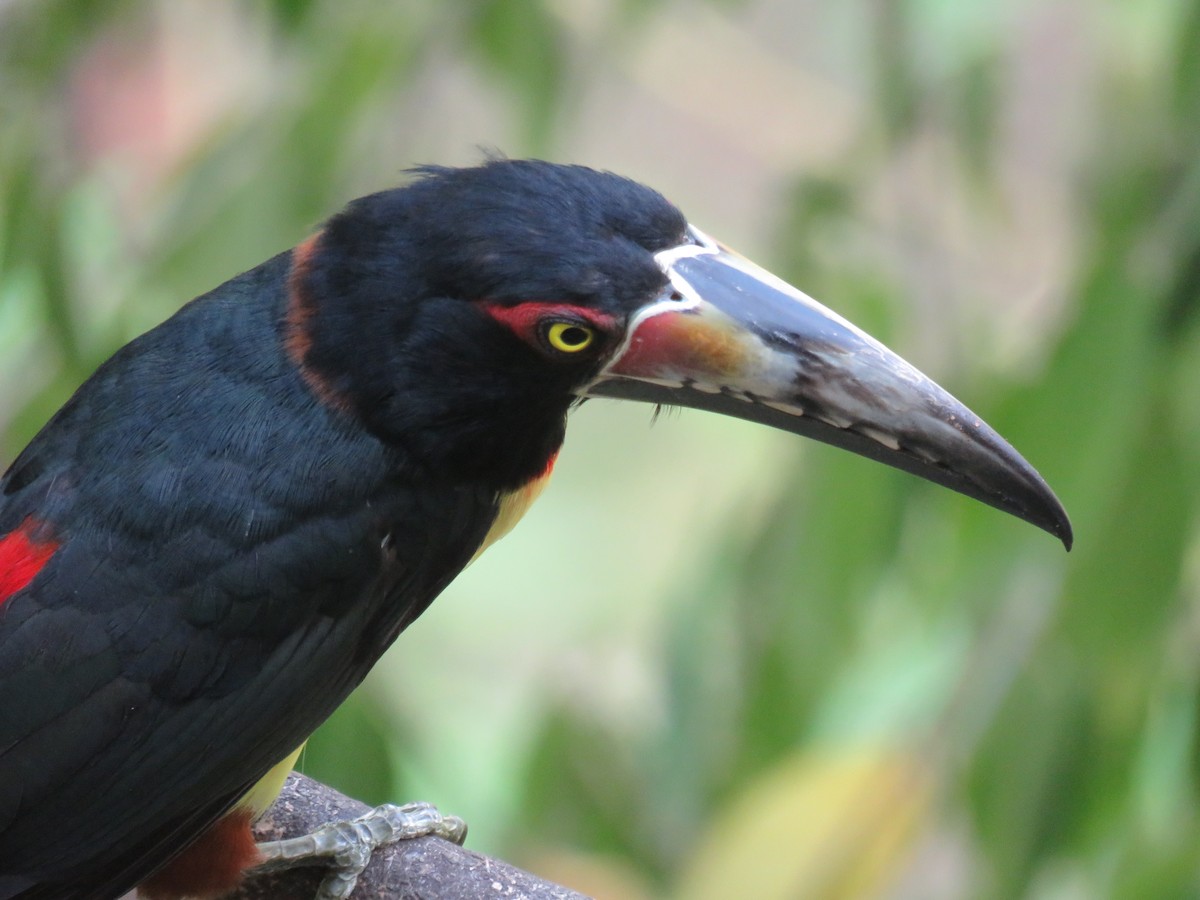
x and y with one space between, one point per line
1037 505
1056 521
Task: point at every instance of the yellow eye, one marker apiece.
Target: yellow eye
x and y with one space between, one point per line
568 337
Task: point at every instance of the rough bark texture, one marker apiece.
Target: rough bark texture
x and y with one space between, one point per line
426 868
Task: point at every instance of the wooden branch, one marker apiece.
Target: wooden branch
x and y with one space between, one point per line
426 868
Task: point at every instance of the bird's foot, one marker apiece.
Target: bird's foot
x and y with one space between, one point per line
346 847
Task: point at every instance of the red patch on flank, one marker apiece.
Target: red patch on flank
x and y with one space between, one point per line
524 319
549 465
297 340
22 556
211 865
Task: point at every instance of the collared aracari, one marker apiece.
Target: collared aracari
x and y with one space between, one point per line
212 542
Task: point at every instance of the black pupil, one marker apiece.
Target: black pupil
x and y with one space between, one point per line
573 336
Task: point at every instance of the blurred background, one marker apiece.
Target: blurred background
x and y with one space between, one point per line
715 661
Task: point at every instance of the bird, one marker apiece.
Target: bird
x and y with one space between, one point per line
211 543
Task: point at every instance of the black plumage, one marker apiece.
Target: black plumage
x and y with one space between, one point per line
235 552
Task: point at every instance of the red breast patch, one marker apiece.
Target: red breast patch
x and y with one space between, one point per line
21 558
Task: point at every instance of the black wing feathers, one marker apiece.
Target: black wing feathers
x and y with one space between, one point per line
216 524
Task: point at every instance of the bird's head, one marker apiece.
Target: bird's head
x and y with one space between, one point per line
462 315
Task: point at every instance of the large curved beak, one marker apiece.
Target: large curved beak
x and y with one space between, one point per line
729 337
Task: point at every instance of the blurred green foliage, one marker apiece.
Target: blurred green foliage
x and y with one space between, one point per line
876 688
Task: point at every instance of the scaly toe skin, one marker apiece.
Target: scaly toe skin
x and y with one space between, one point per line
346 847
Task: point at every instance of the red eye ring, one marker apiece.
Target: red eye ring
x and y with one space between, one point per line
558 329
